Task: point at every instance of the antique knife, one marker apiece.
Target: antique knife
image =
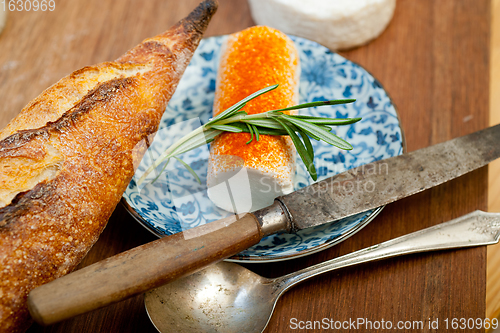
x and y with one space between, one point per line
156 263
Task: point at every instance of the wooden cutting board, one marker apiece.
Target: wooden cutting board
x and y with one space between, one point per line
433 60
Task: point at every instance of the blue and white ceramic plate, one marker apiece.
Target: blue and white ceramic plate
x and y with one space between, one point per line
176 202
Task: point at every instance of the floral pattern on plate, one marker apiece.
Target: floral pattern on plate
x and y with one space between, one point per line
176 202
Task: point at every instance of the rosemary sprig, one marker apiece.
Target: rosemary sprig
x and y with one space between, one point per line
275 122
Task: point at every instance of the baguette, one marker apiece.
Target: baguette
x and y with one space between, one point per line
253 59
67 158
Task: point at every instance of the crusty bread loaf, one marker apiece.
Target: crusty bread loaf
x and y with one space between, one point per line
251 60
66 159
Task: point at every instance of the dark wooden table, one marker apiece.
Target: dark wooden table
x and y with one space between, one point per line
433 60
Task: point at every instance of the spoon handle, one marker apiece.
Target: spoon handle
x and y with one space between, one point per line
474 229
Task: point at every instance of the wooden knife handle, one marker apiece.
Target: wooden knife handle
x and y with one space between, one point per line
142 268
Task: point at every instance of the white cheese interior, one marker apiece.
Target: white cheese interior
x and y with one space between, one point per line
244 190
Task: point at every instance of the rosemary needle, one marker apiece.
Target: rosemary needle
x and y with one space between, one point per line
273 122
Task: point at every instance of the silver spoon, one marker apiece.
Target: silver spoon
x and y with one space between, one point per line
226 297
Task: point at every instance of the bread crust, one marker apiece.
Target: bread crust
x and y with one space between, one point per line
70 154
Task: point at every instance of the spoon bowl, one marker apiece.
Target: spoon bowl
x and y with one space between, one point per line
221 298
227 297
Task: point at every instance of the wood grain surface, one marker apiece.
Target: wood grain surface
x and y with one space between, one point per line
493 256
433 60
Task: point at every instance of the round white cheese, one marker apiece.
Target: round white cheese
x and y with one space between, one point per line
336 24
3 19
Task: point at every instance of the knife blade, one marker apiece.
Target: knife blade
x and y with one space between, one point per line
391 179
354 191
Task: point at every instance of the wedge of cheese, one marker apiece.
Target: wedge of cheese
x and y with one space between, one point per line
245 177
336 24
